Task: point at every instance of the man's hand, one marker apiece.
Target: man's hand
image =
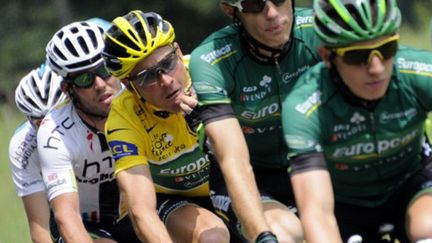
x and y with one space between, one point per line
189 100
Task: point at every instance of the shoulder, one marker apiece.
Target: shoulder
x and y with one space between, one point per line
219 46
24 136
303 26
22 130
312 78
413 62
307 93
123 107
57 115
123 99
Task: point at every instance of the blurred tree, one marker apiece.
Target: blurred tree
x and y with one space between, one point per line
27 25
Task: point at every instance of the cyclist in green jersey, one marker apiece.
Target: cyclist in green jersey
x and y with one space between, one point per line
241 73
354 124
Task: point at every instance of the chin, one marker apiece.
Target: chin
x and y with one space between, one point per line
373 97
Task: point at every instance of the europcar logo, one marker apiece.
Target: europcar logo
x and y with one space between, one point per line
370 148
302 21
206 88
218 54
121 149
310 104
414 67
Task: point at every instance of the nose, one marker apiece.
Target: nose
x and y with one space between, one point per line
99 82
165 79
376 65
270 9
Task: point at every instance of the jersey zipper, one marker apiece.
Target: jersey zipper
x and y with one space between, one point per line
374 133
278 66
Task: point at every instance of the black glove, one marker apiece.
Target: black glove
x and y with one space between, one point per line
195 124
266 237
193 119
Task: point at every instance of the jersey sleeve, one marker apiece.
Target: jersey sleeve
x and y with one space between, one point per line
55 159
304 31
414 68
300 119
24 161
124 134
209 73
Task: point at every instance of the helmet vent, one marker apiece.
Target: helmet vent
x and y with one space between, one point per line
60 34
58 53
83 45
356 16
93 40
70 47
74 30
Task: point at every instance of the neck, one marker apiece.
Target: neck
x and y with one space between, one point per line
97 122
260 51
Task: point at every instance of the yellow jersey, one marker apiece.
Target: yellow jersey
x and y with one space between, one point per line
140 134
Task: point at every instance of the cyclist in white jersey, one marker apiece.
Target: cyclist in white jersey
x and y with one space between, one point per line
77 166
36 93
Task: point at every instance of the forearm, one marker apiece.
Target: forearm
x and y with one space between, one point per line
39 234
320 227
315 201
72 229
37 211
137 187
245 197
68 218
233 157
149 227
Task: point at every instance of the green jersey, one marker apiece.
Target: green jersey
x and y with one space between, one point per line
368 153
223 72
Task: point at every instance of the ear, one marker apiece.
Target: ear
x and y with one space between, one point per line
325 55
64 86
227 9
179 51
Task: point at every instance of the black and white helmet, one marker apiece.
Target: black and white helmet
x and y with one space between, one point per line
76 47
38 91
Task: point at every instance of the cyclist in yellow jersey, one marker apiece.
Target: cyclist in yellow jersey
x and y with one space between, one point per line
158 163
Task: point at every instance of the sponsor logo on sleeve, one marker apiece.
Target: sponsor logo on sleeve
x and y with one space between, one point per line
414 67
121 149
310 104
217 55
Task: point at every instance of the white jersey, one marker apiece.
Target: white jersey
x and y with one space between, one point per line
76 158
24 161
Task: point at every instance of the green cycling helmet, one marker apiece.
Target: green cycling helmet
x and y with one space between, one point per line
342 22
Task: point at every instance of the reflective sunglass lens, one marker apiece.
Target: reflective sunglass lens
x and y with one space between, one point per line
102 72
149 76
83 80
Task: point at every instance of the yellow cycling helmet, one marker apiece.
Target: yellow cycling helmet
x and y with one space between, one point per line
133 37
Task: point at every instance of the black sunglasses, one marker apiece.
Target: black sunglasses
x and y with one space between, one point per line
148 77
86 79
362 55
255 6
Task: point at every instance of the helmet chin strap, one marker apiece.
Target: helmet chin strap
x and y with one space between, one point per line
132 85
261 51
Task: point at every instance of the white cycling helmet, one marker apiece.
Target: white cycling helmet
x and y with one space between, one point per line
38 91
76 47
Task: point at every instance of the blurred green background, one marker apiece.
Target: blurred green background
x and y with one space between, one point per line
27 26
